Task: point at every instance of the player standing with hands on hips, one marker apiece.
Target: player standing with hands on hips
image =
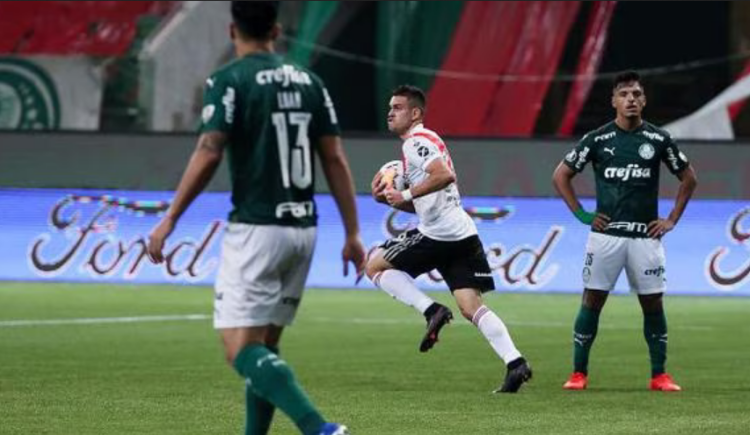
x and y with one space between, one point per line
626 229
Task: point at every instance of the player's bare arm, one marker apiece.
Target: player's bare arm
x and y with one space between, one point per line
339 178
688 183
200 169
440 177
562 179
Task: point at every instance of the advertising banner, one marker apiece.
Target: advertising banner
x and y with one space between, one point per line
533 244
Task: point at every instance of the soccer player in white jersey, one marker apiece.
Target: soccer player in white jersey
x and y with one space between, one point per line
446 239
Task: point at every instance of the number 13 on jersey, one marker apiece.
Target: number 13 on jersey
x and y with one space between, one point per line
296 161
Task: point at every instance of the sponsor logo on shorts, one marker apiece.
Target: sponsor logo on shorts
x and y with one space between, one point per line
659 271
586 274
482 275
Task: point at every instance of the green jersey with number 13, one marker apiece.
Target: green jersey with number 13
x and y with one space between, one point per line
273 114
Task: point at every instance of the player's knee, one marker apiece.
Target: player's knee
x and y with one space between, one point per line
469 301
469 309
468 313
230 355
372 269
594 299
375 265
651 303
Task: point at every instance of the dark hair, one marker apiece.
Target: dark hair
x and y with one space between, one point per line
255 19
412 93
625 77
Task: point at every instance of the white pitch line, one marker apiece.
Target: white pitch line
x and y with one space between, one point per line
337 320
102 320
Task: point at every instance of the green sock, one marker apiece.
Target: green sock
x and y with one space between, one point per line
259 412
655 332
584 333
270 378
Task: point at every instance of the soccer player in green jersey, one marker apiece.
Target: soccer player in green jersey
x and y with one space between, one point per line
626 230
269 116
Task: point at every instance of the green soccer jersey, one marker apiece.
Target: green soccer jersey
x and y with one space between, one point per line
273 114
626 169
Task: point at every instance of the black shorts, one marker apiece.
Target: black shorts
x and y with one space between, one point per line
462 263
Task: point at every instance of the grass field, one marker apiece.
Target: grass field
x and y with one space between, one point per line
132 369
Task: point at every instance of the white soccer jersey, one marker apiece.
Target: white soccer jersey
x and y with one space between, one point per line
441 216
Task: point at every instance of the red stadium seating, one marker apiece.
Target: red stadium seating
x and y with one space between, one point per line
94 28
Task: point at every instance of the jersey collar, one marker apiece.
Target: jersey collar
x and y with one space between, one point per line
414 128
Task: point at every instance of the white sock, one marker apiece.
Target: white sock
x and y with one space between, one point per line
401 286
496 333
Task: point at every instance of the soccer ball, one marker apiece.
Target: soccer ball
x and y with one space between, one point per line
393 174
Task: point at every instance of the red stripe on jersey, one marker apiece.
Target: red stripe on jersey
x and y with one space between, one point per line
438 143
434 139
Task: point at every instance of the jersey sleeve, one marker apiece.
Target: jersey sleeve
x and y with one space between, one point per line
219 103
420 152
580 155
675 159
326 122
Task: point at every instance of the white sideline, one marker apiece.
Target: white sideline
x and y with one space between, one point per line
102 320
342 320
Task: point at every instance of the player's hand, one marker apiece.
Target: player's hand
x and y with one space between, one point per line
600 222
394 197
378 188
354 251
659 227
157 237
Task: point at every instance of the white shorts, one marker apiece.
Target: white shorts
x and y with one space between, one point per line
643 260
262 274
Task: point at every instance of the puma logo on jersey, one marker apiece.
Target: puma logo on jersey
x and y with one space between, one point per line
610 150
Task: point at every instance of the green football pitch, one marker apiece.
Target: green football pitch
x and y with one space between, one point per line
102 359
